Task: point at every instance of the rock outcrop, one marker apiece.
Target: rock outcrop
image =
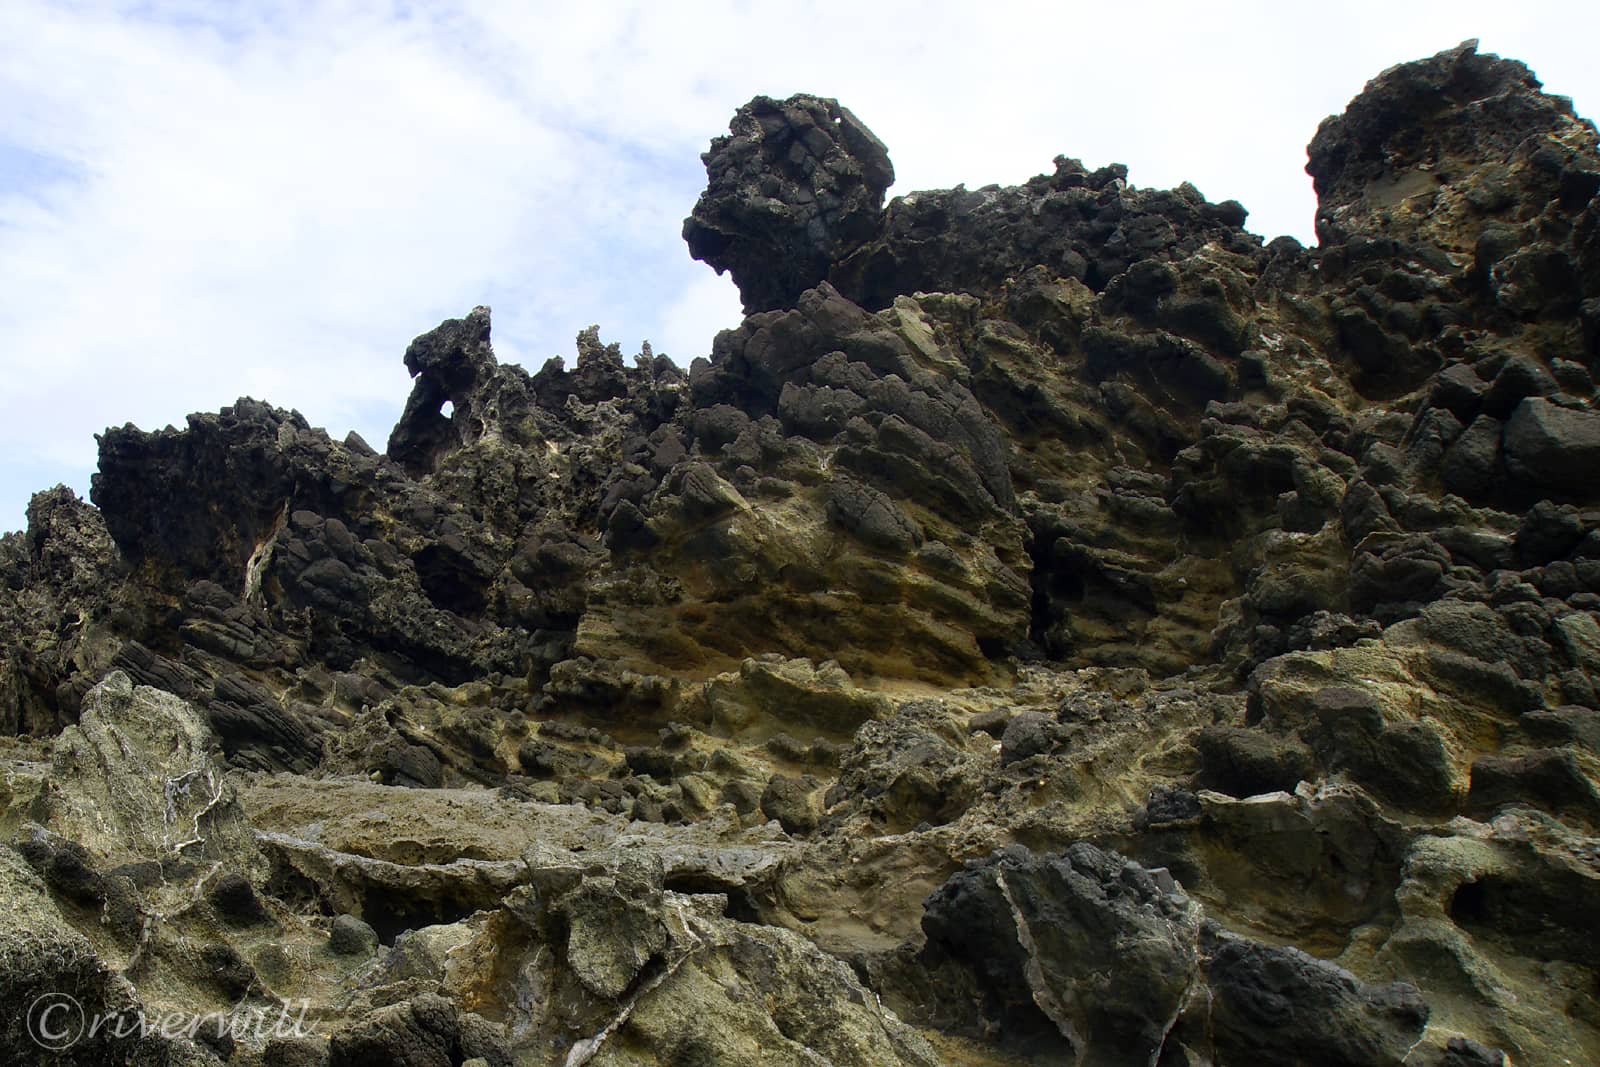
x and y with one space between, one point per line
1054 627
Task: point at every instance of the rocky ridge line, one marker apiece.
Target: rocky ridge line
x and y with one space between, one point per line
1053 627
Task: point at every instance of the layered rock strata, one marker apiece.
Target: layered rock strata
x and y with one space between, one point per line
1054 626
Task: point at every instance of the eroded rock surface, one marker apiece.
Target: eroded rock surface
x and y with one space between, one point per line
1054 627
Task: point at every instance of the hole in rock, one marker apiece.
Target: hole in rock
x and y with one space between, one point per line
1470 905
993 647
296 890
741 906
449 582
1541 919
392 914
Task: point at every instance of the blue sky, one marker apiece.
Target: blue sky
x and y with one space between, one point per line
200 201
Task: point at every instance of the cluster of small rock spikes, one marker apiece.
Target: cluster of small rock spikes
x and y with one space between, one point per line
1053 627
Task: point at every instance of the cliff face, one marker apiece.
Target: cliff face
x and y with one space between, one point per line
1053 627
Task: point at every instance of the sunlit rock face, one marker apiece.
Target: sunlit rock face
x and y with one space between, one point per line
1053 627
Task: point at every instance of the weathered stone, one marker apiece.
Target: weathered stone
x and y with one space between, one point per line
427 1031
1552 448
1553 779
789 801
614 925
1245 762
45 962
1088 943
797 184
236 901
1030 734
638 709
1279 1005
349 936
139 776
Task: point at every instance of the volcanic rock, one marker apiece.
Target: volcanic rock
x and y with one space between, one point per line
1053 626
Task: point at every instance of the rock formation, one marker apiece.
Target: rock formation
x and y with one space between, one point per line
1053 627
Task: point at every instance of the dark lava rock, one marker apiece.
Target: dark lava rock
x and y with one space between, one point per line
1279 1005
1243 762
1312 526
1167 806
789 801
797 183
1554 448
1464 1052
449 364
1087 943
1032 733
1552 779
1459 105
1407 763
426 1031
236 901
349 936
66 866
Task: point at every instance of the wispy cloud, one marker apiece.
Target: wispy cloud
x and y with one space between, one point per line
199 201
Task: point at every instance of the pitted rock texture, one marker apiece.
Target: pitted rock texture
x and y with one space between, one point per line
1054 627
795 185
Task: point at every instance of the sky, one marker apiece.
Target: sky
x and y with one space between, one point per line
268 198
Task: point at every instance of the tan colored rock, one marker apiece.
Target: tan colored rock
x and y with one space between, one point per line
140 776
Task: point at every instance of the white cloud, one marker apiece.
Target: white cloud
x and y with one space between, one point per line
199 201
